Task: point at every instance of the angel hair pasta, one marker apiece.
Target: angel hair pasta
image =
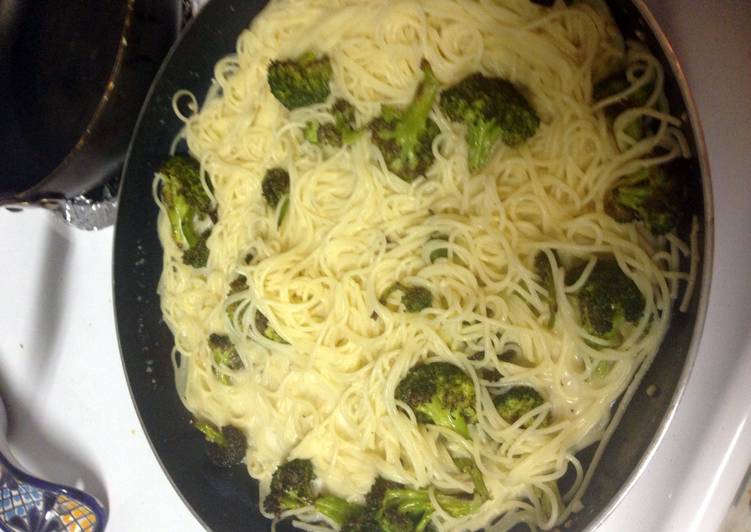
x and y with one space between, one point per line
415 250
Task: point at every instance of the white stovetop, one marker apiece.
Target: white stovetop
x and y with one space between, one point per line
71 417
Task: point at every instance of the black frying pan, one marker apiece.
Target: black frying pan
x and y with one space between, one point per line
228 499
73 76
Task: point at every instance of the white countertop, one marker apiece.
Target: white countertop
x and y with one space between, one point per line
71 416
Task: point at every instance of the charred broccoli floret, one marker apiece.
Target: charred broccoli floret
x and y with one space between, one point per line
197 255
238 284
492 109
291 487
301 81
544 272
225 356
405 137
652 195
275 190
439 393
263 327
608 299
275 186
343 130
225 447
518 401
188 207
392 507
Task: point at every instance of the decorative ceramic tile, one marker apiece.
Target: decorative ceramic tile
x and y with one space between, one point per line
28 504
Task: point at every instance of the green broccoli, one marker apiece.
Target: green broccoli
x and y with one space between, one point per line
301 81
608 299
225 356
516 402
405 137
237 285
392 507
651 195
488 374
275 186
291 487
188 207
438 253
263 327
197 255
544 272
601 369
275 189
225 447
492 109
439 393
342 131
468 466
337 509
416 298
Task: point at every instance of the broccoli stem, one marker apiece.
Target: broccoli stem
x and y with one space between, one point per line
336 508
407 131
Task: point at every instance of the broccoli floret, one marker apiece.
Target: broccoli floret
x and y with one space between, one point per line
301 81
440 393
544 272
405 137
652 195
275 189
608 299
188 207
225 356
291 487
342 131
238 284
197 255
275 186
416 298
492 109
468 466
225 447
263 327
516 402
392 507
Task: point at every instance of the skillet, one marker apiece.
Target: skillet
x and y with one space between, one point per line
228 499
